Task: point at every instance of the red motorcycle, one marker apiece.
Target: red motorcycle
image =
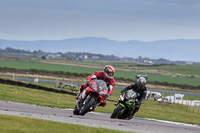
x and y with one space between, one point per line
91 97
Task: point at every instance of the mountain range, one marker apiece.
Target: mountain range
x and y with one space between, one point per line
174 50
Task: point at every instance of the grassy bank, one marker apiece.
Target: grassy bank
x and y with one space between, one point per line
13 124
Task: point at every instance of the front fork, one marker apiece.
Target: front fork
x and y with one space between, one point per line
81 103
124 108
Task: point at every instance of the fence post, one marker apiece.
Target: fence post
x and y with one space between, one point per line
193 107
174 98
56 82
182 102
186 106
190 105
162 100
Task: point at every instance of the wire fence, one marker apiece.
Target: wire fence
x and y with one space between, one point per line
178 99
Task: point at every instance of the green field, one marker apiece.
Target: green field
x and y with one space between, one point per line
119 73
182 70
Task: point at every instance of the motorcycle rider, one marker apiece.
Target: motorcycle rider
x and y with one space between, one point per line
140 88
107 75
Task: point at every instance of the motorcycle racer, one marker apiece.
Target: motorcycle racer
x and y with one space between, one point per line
107 75
140 88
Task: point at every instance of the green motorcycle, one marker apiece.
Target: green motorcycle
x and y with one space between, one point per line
126 105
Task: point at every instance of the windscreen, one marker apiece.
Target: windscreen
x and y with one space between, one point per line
131 94
101 85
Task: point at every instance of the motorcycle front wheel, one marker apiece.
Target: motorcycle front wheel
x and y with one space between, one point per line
87 107
76 111
117 111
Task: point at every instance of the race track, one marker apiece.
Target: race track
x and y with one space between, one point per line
95 119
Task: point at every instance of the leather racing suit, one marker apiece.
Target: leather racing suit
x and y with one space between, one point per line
142 91
100 75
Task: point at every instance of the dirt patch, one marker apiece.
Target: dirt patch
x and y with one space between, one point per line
153 71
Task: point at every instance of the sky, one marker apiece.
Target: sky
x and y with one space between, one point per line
121 20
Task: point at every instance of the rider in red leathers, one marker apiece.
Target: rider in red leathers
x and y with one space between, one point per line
107 75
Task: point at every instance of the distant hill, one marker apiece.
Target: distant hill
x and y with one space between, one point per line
182 50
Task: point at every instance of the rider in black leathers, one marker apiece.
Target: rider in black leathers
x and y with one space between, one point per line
141 89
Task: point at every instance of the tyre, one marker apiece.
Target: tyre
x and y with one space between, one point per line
76 111
116 111
87 107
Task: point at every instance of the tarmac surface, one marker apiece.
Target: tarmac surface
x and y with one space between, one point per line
116 87
95 119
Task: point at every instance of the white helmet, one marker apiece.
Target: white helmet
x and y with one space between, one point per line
109 71
141 81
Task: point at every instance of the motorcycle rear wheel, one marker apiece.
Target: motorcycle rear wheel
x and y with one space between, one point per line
116 111
87 107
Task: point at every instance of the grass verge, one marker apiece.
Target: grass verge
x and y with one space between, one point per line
13 124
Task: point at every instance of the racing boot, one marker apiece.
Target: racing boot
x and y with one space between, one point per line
92 109
103 103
